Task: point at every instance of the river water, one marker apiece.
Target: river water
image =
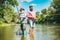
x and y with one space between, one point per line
41 32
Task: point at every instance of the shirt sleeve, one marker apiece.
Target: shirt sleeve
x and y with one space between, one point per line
19 15
27 14
34 14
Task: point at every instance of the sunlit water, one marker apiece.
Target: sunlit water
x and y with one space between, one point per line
41 32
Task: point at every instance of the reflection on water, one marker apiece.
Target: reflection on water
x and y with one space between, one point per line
31 36
6 33
54 31
23 37
41 32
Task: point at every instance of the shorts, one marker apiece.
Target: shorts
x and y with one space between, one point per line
32 23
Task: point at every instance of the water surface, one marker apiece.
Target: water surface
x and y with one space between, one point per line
41 32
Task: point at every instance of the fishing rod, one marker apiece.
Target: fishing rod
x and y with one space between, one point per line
16 6
17 10
6 3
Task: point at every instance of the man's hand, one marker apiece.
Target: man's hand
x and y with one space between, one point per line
35 18
21 16
30 17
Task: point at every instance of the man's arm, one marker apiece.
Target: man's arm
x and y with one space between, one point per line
21 16
30 17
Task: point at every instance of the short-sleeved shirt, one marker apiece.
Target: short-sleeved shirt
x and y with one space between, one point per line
24 19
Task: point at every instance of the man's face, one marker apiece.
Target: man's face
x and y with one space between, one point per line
31 8
22 11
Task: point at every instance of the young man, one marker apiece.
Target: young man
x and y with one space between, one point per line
23 21
31 17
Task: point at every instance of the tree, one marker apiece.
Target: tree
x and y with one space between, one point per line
52 14
7 13
38 17
44 11
56 5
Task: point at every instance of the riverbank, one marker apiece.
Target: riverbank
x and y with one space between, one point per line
6 24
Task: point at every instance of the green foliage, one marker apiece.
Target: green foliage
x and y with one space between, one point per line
50 15
11 2
7 14
38 17
44 11
1 20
